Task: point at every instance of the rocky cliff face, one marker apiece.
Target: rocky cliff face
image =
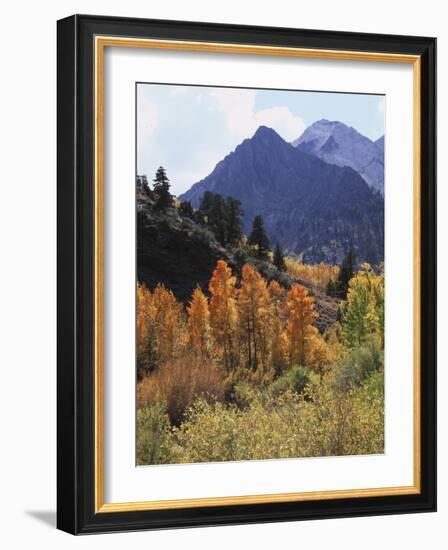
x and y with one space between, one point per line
336 143
312 208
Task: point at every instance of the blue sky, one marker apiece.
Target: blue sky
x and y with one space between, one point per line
189 129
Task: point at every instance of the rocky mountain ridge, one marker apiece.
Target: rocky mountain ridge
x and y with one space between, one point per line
314 209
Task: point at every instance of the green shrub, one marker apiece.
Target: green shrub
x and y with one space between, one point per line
153 426
295 379
359 364
325 420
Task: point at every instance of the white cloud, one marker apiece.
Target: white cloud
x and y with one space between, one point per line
282 121
238 108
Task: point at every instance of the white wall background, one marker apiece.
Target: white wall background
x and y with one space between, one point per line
27 273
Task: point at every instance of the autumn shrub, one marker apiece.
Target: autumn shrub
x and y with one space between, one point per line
260 378
214 432
153 426
369 409
178 383
324 420
242 373
294 379
360 363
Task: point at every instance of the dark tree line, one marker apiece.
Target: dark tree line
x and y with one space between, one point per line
258 238
223 216
160 193
339 287
279 259
161 188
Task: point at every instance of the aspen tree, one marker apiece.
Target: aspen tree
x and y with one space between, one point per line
199 323
301 315
253 308
223 312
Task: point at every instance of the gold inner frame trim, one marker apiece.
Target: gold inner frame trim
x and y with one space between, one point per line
101 42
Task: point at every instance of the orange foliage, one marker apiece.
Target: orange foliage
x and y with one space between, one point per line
254 309
319 354
223 312
178 383
279 336
259 327
161 327
299 326
144 304
199 323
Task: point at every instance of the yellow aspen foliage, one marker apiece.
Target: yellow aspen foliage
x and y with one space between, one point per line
319 354
279 336
300 329
223 312
335 341
144 302
254 316
317 275
364 307
170 322
199 323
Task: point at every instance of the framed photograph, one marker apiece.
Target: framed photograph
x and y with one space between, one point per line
246 274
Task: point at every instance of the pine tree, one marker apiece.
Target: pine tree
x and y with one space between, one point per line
234 214
143 186
199 217
279 260
258 238
186 210
346 273
223 217
213 209
216 219
162 189
206 202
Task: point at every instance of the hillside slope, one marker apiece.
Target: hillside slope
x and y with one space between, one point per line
179 253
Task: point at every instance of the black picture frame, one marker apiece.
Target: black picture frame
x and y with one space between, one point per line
76 269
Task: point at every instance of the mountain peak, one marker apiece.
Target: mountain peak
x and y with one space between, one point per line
336 143
303 200
266 133
326 122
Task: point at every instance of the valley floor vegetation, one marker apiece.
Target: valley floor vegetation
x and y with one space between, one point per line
241 372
